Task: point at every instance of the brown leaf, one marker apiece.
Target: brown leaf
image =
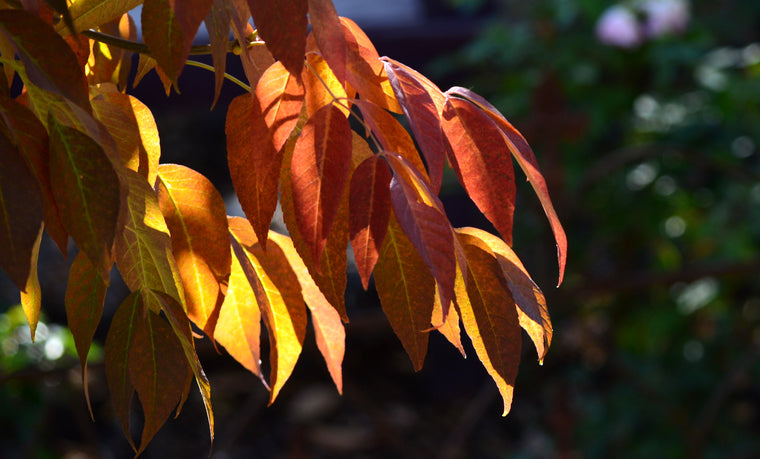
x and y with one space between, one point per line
21 213
489 317
320 170
253 161
328 32
527 161
283 25
217 23
328 327
281 97
370 210
406 290
49 61
87 192
482 162
85 294
195 215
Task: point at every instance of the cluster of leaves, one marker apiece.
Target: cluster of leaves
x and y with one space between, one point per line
80 158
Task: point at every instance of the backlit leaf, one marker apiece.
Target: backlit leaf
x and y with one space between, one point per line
329 332
482 162
328 32
530 302
406 290
217 23
435 93
121 335
195 215
87 192
527 161
283 25
253 161
169 28
489 317
21 213
158 371
420 214
449 327
322 87
255 56
31 294
370 206
85 294
87 14
320 170
49 61
144 249
423 117
278 294
281 96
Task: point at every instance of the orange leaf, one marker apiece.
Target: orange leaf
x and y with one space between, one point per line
406 292
489 317
328 32
239 326
530 302
278 294
169 28
195 215
320 170
421 112
449 327
322 87
217 23
281 96
21 213
482 163
87 192
420 214
253 161
283 25
121 334
527 161
255 59
158 370
370 206
31 294
88 14
435 93
49 61
85 294
328 327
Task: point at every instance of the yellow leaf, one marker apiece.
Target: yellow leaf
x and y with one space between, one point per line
31 296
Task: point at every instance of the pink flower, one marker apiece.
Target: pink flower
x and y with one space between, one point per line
618 27
665 17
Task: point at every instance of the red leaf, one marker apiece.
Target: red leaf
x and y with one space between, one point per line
281 96
320 170
328 32
420 214
49 61
283 25
406 291
423 116
169 28
253 161
527 161
370 205
21 214
255 58
482 163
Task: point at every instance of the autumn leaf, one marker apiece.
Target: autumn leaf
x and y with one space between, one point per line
322 87
435 93
320 170
50 63
85 294
448 326
254 56
482 162
329 332
217 23
283 25
88 14
406 290
21 213
87 192
31 294
370 206
328 33
489 317
278 294
525 157
249 143
531 304
281 97
195 215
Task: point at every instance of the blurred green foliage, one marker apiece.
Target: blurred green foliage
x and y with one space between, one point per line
652 156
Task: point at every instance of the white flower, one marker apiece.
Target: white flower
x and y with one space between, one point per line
665 17
618 27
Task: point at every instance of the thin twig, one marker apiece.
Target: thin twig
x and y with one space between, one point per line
212 69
